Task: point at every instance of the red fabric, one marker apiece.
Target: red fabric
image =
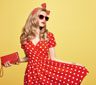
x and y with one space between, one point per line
43 6
12 58
43 71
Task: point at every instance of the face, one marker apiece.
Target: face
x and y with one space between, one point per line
42 18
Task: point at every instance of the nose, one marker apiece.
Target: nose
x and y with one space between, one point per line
44 19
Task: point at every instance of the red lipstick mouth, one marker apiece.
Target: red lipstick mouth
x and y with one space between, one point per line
43 22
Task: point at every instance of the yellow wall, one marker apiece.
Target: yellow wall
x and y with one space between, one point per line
73 23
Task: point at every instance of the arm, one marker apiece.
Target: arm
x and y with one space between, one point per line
52 56
24 59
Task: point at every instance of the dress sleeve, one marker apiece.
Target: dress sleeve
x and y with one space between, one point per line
51 40
23 45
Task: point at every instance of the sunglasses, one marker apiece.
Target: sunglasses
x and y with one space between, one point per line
42 17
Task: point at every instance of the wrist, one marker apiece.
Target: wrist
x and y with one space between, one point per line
20 60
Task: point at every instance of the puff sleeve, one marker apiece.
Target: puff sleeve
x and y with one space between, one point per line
24 45
51 40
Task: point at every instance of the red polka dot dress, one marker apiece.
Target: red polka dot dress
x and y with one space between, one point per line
41 70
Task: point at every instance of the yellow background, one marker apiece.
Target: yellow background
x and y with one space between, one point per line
73 23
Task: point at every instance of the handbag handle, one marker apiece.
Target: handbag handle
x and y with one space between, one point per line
1 69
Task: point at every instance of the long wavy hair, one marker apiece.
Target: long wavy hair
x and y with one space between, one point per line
29 29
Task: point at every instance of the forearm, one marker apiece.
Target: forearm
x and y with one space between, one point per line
24 59
53 57
67 62
63 61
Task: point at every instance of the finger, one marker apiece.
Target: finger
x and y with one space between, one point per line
73 63
16 63
6 65
79 64
9 64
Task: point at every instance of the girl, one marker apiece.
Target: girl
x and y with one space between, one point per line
38 44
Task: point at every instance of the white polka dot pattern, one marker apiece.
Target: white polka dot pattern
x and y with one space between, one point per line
51 42
43 71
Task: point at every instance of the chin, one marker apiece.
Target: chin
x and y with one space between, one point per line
43 30
41 25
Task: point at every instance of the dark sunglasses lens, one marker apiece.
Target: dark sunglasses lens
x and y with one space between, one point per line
47 18
41 16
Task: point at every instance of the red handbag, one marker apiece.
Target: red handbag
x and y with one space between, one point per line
12 58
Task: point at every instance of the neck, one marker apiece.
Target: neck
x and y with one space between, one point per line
42 29
37 31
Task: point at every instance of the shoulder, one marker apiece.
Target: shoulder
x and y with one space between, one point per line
50 34
51 40
24 44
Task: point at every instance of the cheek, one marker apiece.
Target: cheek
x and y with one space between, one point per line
40 21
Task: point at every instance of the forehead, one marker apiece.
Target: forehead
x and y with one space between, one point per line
43 13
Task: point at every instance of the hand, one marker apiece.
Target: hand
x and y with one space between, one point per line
17 63
7 64
22 60
77 64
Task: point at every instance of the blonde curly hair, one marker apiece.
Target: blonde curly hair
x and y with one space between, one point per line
29 29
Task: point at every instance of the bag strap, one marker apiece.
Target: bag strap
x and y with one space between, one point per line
1 69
